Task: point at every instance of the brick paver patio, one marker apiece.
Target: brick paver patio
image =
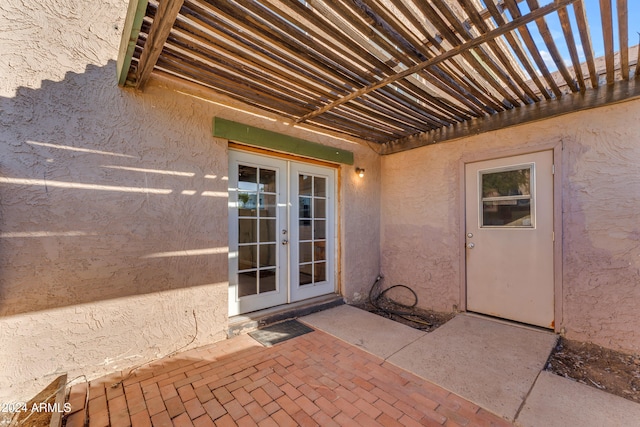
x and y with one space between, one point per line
311 380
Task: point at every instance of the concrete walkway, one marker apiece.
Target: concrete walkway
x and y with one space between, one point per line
494 364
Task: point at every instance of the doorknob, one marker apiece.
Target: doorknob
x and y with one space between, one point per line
285 241
471 245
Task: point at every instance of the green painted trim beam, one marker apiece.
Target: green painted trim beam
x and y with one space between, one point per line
132 24
257 137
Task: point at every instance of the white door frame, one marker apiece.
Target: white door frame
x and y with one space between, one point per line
557 147
289 167
297 292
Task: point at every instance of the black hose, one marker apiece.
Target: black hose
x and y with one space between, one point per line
375 295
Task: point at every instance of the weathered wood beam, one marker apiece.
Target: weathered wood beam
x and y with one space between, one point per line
571 45
585 40
438 76
519 51
622 91
510 26
607 34
507 60
623 34
483 63
543 28
527 38
162 24
130 32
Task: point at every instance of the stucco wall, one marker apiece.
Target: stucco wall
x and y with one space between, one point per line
601 231
113 203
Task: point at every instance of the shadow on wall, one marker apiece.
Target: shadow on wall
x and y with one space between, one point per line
106 193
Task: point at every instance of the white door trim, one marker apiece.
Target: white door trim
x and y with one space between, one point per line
557 147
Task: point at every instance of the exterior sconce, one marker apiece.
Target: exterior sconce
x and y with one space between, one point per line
360 172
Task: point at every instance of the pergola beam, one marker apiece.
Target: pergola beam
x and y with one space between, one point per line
132 25
491 35
622 91
165 17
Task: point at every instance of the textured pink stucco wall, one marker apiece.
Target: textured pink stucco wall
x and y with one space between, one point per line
113 203
601 232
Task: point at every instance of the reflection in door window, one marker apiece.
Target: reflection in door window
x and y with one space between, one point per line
506 197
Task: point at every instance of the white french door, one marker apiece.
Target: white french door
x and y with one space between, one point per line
281 231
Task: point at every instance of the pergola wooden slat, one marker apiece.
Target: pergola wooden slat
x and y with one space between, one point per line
396 73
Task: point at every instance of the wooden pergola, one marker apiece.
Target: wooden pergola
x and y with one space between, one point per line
398 74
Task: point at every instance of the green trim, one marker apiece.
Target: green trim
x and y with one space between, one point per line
250 135
132 24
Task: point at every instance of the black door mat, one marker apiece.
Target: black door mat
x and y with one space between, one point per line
279 332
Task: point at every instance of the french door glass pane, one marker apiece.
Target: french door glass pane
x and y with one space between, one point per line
247 284
306 274
319 252
267 280
320 272
268 255
304 207
320 187
247 230
320 229
306 254
320 208
247 257
267 181
267 230
247 203
268 205
247 178
305 230
305 183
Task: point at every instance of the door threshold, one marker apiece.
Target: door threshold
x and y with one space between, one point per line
243 323
508 322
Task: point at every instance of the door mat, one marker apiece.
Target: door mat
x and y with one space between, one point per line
279 332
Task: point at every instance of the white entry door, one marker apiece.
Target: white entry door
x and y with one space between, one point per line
281 231
509 238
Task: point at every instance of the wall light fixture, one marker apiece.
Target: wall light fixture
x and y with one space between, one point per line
360 172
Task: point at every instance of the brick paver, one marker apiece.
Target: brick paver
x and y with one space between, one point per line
310 380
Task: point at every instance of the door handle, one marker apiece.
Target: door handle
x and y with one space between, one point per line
471 245
285 241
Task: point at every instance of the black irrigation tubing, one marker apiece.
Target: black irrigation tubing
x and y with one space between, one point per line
375 294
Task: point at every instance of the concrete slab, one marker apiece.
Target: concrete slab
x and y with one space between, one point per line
494 364
558 401
375 334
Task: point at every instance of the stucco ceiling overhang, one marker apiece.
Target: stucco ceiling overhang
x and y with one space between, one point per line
398 74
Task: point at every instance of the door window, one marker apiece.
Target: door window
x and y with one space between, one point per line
506 197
